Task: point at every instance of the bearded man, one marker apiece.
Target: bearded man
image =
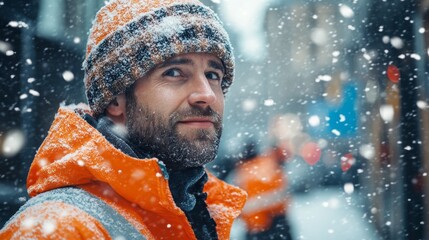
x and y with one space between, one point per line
132 165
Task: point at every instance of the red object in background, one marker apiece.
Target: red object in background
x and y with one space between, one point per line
284 151
385 157
310 152
418 183
393 73
347 161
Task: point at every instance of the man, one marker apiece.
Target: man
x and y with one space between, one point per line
132 166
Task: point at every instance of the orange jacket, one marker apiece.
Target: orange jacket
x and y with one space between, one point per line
76 154
264 180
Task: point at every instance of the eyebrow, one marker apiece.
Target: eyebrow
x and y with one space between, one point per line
217 65
175 61
183 61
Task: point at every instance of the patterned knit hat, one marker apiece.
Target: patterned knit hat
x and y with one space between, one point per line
130 37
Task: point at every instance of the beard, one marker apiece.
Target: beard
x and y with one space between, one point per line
158 137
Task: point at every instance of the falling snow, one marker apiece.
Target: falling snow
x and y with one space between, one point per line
17 24
351 73
34 92
68 76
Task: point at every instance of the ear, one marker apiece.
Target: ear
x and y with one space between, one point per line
117 109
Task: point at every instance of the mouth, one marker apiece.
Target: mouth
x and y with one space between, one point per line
197 122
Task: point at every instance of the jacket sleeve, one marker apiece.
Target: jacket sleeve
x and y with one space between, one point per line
53 220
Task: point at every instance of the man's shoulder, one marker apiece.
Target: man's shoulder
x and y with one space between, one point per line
52 219
66 212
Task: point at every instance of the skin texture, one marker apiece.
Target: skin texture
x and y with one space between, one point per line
175 111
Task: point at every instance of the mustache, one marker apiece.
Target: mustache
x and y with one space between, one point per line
196 112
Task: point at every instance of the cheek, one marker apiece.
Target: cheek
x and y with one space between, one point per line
220 103
165 101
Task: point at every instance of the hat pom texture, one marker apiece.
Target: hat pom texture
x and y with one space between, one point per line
130 37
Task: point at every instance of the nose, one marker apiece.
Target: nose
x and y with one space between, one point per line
202 92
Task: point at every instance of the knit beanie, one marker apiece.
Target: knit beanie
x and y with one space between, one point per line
130 37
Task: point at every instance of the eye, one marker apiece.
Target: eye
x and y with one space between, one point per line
213 76
172 72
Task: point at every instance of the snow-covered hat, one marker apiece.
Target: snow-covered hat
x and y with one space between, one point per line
129 37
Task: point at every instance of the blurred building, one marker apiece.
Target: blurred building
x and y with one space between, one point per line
357 73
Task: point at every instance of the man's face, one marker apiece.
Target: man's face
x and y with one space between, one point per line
175 112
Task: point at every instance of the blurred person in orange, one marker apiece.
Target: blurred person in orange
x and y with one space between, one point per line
264 179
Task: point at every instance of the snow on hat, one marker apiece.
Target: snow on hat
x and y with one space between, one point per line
129 37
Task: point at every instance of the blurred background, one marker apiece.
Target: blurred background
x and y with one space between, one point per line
348 76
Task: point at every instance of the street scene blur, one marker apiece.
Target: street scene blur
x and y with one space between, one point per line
326 125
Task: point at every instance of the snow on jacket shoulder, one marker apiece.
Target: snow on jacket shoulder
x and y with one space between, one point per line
76 157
